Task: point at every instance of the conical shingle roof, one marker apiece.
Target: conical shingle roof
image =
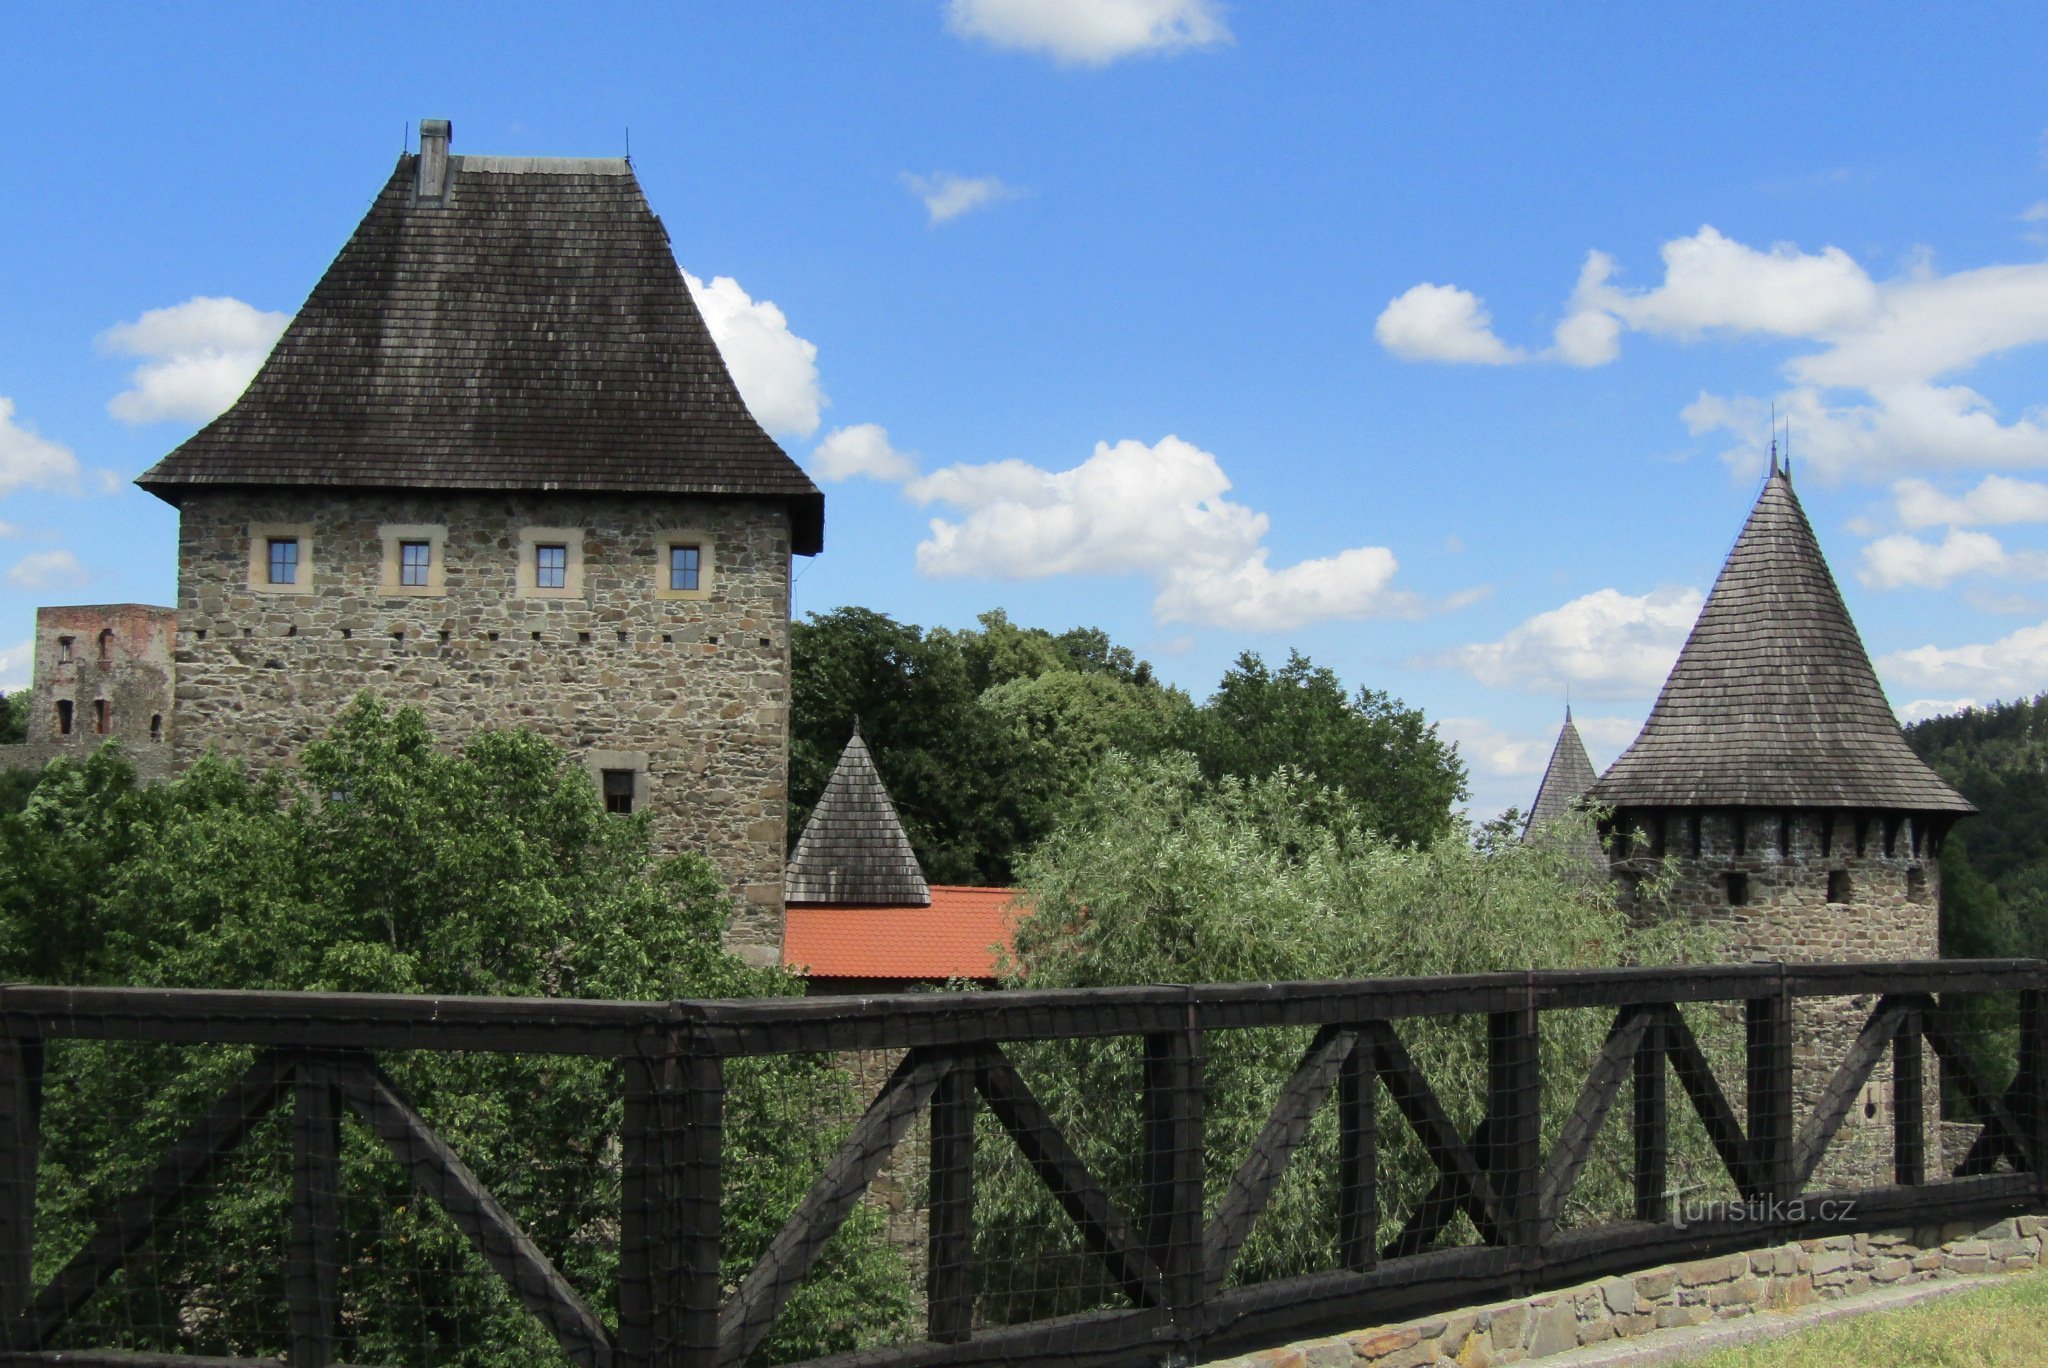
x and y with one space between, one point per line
1773 702
525 329
853 849
1567 778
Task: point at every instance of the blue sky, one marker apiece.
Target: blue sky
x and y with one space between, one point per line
1435 341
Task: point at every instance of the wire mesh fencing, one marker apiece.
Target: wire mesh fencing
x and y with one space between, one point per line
1102 1176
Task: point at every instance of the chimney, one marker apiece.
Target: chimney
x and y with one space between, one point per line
433 168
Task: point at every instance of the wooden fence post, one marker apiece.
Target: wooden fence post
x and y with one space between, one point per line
1358 1204
21 1105
1173 1170
1514 1104
1652 1128
650 1262
2033 1089
316 1218
700 1192
1769 1094
1909 1110
949 1250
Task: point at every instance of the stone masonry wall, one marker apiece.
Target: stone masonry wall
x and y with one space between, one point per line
690 693
1785 860
108 662
1780 1278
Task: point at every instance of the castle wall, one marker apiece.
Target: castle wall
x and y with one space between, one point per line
1785 862
103 672
688 692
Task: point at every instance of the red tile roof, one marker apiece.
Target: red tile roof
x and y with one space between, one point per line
956 937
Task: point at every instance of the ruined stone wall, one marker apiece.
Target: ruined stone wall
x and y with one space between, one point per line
689 692
1784 862
106 669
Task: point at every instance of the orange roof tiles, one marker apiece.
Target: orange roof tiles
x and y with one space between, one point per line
956 937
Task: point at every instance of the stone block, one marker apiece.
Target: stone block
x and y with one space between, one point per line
1890 1270
1788 1294
1510 1325
1744 1291
1669 1316
1656 1284
1557 1329
1620 1296
1375 1345
1834 1262
1328 1354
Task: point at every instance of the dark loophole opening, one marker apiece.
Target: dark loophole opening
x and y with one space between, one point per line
63 717
1738 889
618 791
1838 885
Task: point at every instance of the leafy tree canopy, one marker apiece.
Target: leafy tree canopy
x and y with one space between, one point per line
985 735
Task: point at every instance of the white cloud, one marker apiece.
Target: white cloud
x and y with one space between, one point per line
1712 282
2014 666
28 461
1605 644
197 358
947 196
1997 499
1900 561
1920 709
1494 750
1442 323
16 666
1876 396
46 570
862 450
1090 32
1158 511
776 371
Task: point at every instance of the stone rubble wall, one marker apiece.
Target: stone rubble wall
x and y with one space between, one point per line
692 693
1781 1278
1786 858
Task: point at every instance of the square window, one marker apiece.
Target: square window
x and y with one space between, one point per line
550 565
618 791
284 560
415 561
684 566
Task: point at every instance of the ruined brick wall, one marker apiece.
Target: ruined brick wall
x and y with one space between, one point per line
689 693
102 672
1785 863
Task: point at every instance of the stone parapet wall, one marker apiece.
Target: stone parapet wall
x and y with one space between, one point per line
151 762
1780 1278
1785 861
692 693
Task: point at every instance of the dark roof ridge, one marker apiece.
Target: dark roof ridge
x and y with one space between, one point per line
1773 701
853 849
525 330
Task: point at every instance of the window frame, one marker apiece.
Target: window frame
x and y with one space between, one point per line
396 537
531 539
261 536
666 544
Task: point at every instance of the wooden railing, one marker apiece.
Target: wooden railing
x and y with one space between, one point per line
1168 1251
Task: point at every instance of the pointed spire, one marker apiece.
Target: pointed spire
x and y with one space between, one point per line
1773 702
1565 779
853 849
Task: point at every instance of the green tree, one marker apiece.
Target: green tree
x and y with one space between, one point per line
1404 778
14 717
1161 876
387 863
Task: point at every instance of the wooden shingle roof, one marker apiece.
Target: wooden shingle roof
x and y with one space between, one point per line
853 849
1566 779
1773 702
527 329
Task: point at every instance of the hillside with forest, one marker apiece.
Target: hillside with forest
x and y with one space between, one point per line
1994 866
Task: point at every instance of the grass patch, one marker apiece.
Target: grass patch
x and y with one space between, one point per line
1993 1327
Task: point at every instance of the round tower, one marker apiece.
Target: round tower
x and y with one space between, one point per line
1772 788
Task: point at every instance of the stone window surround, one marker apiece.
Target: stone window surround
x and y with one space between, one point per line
706 564
390 579
598 761
260 537
572 574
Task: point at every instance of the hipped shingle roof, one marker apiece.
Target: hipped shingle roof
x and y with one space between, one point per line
1568 776
527 330
853 849
1773 702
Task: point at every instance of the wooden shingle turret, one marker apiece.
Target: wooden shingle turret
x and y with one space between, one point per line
853 850
1773 702
499 323
1565 780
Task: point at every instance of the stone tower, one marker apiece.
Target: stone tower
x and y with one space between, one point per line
1772 785
496 468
